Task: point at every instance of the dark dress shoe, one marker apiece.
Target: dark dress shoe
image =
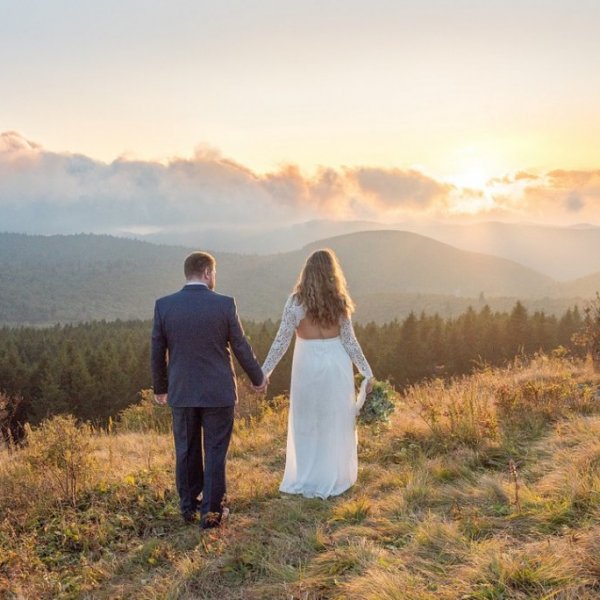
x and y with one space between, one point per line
189 517
214 519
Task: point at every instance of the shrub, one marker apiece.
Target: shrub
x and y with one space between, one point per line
524 397
251 405
12 418
460 412
61 449
589 336
530 404
145 416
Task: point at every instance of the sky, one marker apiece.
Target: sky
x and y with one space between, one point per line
150 114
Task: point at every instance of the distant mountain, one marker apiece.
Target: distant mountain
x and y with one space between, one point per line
400 261
581 226
82 277
586 287
562 253
261 240
75 278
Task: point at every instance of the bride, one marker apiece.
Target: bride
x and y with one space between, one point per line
321 455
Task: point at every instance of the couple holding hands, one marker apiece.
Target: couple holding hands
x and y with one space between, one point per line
194 332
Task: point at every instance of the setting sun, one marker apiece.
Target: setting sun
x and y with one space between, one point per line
474 177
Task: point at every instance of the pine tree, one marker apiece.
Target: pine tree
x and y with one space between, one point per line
518 329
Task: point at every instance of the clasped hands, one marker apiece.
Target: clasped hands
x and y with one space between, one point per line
262 387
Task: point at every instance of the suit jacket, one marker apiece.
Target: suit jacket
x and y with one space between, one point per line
193 334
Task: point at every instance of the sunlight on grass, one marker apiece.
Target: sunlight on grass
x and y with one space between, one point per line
436 512
353 511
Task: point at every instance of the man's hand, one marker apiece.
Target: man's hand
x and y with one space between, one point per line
263 386
160 399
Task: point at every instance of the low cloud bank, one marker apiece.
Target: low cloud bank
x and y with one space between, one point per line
48 192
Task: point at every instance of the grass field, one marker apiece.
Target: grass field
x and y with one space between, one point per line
486 487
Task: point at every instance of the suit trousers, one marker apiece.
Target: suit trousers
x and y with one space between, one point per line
202 436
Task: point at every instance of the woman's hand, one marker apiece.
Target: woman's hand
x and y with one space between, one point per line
370 385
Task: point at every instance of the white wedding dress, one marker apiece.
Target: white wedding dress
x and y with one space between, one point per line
321 457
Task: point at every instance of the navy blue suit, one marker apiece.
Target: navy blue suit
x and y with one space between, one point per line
193 334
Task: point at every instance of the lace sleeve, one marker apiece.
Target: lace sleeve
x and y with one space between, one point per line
353 348
282 339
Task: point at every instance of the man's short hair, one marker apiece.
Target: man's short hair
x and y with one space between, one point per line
196 264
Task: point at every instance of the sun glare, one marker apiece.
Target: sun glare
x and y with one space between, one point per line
473 165
471 205
471 174
474 177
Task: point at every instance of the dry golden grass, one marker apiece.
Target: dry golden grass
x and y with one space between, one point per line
434 513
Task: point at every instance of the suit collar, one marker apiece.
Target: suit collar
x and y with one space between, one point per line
195 288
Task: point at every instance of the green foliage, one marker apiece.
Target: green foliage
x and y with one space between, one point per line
519 575
92 277
92 371
84 277
95 370
61 449
352 511
379 404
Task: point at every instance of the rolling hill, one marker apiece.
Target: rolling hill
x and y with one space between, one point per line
400 261
562 253
82 277
585 287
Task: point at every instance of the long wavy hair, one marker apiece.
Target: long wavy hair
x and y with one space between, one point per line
321 289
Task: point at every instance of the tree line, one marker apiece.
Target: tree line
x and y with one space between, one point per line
95 370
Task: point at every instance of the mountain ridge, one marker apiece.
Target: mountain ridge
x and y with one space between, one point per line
87 276
561 252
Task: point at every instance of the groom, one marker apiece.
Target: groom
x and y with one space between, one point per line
192 370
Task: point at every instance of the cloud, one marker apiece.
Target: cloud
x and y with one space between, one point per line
574 202
48 192
12 144
554 196
394 188
520 175
76 193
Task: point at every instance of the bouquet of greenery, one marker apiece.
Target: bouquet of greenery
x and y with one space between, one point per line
378 404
